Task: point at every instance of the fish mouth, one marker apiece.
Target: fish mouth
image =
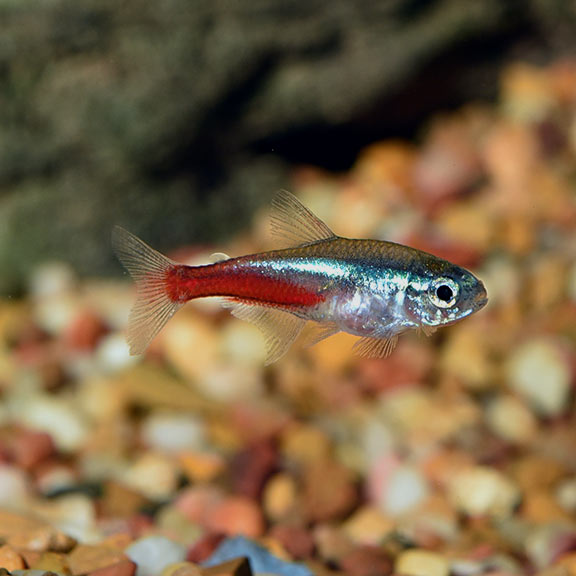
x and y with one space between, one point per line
480 302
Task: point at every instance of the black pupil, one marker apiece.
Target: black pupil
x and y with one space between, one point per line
445 293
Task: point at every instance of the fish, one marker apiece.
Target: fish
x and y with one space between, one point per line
373 289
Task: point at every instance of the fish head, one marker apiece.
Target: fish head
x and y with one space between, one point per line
444 293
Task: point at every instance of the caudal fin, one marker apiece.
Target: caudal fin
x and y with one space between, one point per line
149 269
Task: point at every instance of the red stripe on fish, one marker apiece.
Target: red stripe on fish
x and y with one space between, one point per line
185 283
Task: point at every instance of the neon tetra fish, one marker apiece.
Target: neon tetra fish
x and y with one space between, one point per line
369 288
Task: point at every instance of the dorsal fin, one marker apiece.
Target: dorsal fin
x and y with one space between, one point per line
293 224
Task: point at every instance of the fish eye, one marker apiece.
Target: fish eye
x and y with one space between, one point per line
444 292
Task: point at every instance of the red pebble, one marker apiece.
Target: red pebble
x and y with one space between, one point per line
204 548
251 468
367 561
237 515
29 448
84 332
296 540
198 503
122 568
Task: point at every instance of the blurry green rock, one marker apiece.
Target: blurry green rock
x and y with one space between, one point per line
164 116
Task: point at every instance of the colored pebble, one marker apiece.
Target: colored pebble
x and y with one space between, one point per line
236 515
539 372
153 554
482 491
10 559
420 562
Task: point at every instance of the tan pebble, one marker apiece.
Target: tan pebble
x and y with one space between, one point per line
355 214
388 163
102 399
332 542
516 233
540 507
175 525
527 92
420 414
120 500
118 541
482 491
566 564
243 344
304 444
151 387
510 155
122 568
368 526
182 569
509 418
280 496
419 562
470 223
466 356
25 531
548 279
201 466
237 515
534 471
52 562
86 558
191 344
153 475
10 559
539 372
330 491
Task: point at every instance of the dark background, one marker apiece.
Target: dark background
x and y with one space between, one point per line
177 118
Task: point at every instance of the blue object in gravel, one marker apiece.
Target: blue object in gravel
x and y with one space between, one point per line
261 560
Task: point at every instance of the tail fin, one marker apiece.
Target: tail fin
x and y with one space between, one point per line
149 269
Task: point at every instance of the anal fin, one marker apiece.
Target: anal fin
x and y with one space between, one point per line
280 328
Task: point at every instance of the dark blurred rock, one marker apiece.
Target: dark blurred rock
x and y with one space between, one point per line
177 118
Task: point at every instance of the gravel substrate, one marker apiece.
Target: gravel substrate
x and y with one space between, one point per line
454 456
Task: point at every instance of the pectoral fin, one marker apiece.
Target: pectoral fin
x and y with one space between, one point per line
375 347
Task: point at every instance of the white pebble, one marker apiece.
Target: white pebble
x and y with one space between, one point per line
58 417
566 495
153 554
74 515
173 432
227 383
541 375
113 353
50 279
404 491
